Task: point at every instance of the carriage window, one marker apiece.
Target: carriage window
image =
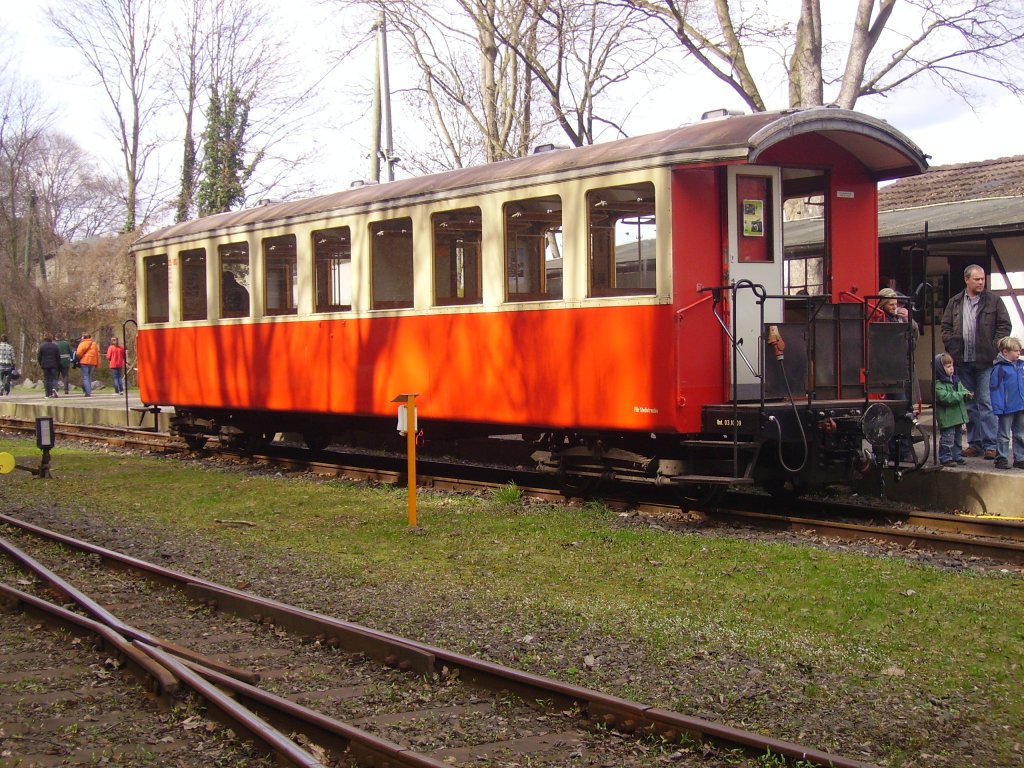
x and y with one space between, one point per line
156 289
391 257
754 218
332 256
804 244
281 265
457 278
234 279
622 240
533 249
193 284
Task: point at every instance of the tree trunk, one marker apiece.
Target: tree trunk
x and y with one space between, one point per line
805 82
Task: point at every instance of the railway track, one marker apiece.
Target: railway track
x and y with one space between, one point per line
990 538
303 688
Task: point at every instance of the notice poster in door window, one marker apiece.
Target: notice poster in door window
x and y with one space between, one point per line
753 218
754 214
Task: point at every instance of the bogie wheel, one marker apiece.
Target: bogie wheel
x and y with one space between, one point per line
784 489
577 486
195 442
254 441
246 443
316 441
699 496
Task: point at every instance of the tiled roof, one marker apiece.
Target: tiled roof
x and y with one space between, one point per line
980 180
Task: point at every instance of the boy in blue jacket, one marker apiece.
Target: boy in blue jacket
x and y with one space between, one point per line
951 398
1007 385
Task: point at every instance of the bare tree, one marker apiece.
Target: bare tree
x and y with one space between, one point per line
76 200
230 65
93 285
189 65
960 43
497 76
24 119
116 39
470 73
582 50
473 94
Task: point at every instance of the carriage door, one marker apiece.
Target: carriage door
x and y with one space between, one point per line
755 254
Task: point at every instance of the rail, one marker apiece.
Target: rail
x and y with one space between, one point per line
625 716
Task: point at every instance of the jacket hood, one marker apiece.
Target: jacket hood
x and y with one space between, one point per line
939 371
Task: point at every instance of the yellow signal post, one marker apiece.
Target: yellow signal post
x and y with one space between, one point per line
407 423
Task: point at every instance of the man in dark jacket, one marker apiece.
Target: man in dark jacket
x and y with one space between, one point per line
49 360
974 320
65 361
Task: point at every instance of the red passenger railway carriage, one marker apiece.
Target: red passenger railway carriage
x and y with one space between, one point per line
631 307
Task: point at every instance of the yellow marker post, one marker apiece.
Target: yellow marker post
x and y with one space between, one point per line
407 425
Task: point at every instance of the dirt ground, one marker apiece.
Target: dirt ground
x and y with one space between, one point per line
765 695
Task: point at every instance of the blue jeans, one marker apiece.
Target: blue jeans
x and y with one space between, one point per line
1011 426
949 444
87 379
981 422
118 375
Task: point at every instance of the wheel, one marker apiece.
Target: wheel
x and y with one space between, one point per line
784 488
195 442
577 486
316 441
697 496
246 443
253 441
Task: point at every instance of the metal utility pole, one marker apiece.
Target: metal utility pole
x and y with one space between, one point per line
385 87
375 148
382 109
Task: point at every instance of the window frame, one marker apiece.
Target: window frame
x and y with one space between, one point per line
397 262
277 266
535 245
446 265
610 260
231 249
193 271
335 262
157 262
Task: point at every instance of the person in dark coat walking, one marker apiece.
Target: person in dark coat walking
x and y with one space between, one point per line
49 360
973 323
66 353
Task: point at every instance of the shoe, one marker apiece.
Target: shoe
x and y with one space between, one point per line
971 451
961 461
1018 464
949 463
1002 464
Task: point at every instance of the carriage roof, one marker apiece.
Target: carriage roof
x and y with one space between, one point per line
885 153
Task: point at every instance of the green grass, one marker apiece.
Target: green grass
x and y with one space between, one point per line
868 619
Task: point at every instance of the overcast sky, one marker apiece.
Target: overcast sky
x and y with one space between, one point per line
943 127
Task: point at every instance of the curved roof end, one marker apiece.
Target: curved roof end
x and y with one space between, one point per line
884 151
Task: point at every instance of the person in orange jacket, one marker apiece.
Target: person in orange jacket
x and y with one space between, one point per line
88 356
115 359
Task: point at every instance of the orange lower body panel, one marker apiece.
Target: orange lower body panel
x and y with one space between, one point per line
594 368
